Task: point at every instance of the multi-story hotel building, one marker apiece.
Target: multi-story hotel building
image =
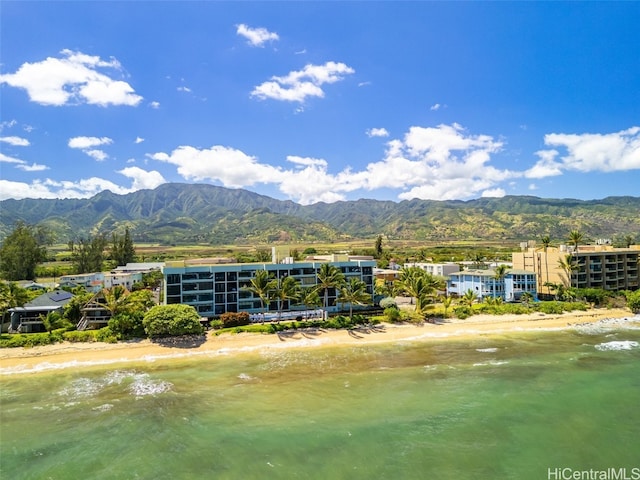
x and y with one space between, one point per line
598 266
213 289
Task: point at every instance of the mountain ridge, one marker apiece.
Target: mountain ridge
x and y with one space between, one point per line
200 213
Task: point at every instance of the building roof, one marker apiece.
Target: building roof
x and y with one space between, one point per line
56 298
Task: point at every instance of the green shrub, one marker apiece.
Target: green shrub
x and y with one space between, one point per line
388 302
216 324
392 314
463 311
235 319
633 301
550 307
174 319
126 325
77 336
106 335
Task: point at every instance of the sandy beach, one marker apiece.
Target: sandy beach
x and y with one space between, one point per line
70 355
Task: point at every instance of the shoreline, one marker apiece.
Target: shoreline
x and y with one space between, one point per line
84 355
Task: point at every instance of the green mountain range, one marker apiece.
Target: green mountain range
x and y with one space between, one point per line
188 214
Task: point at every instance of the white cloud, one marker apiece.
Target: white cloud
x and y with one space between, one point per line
587 152
184 89
154 105
84 188
233 168
15 141
139 140
88 142
443 162
7 124
377 132
97 155
256 37
72 79
4 158
34 167
143 179
298 85
493 193
435 107
532 186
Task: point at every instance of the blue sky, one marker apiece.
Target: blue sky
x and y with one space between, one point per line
321 101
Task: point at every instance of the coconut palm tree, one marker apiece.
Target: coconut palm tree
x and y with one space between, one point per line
285 289
354 292
329 276
468 298
546 243
116 299
261 285
499 273
446 303
309 297
568 265
575 237
419 285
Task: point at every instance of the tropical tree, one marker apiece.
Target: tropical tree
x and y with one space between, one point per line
628 240
115 299
261 285
446 303
285 289
122 249
499 273
53 320
310 298
354 292
329 276
87 254
22 251
174 319
575 237
12 295
568 265
378 246
418 284
526 298
468 298
546 243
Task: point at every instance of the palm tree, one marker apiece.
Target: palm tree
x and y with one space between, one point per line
116 299
468 298
446 303
261 285
329 276
568 265
12 295
575 237
285 289
309 298
354 292
418 284
499 273
546 243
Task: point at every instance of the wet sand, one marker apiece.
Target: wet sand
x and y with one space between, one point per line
81 355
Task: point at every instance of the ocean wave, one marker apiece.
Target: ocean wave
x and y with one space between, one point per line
487 350
617 345
607 325
139 385
491 363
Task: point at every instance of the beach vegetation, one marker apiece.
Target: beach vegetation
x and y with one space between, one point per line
127 325
354 292
81 336
420 285
172 320
106 335
633 300
234 319
392 315
261 285
387 302
285 290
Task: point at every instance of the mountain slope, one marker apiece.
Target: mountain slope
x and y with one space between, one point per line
185 213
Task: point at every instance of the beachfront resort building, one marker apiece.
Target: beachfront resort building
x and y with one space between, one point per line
485 283
597 266
213 288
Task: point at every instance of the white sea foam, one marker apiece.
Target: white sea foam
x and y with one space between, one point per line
487 350
490 363
140 385
617 345
143 386
244 376
103 408
607 325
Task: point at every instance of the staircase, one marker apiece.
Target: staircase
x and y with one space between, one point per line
82 324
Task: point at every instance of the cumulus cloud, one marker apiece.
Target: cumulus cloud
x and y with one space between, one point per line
86 143
154 105
377 132
256 37
6 159
138 140
143 179
444 162
588 152
298 85
15 141
435 106
84 188
34 167
74 78
493 193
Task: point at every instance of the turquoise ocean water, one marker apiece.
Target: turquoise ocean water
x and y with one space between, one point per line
500 406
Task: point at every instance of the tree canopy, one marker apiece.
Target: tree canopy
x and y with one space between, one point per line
22 251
